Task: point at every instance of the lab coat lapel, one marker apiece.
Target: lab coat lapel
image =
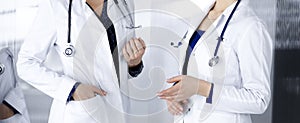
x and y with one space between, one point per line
216 28
115 17
88 39
204 6
211 31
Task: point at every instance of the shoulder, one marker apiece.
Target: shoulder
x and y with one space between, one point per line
53 4
245 22
246 18
246 28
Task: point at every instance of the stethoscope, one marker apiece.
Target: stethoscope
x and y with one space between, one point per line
179 42
70 49
215 59
2 68
131 24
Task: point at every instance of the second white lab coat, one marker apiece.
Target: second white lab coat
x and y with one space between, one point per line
92 63
242 77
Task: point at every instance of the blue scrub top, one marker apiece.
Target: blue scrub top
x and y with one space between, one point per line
193 41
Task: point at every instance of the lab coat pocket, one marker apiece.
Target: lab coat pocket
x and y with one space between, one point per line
90 110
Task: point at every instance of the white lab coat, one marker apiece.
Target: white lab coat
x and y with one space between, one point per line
92 63
242 77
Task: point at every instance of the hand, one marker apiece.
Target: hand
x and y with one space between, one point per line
186 87
176 108
84 92
5 112
133 51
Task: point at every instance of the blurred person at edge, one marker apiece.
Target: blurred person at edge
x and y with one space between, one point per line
12 107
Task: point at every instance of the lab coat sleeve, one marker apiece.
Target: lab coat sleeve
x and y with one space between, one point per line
34 52
254 52
136 70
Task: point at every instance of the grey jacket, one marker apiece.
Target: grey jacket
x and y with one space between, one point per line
9 90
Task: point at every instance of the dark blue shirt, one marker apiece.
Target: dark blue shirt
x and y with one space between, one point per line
193 41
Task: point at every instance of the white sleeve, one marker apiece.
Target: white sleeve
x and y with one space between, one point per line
254 52
34 52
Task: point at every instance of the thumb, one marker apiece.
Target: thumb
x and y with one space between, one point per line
175 79
185 102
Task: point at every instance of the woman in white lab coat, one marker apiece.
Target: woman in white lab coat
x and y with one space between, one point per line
91 61
239 84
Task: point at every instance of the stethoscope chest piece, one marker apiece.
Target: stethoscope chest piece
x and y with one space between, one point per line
213 61
69 51
2 68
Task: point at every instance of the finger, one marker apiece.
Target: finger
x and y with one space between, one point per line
99 91
126 55
169 98
133 46
175 79
163 96
129 50
179 98
171 108
176 108
138 44
170 92
176 98
185 102
142 42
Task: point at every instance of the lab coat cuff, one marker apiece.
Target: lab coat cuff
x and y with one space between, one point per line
64 89
15 99
209 98
70 97
136 70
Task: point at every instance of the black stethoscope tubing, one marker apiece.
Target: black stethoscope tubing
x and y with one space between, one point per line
70 50
215 59
69 21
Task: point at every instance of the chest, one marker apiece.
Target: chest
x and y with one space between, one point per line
227 68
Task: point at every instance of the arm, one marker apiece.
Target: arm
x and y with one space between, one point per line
255 59
133 52
34 52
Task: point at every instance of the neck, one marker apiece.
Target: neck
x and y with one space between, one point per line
95 4
221 5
